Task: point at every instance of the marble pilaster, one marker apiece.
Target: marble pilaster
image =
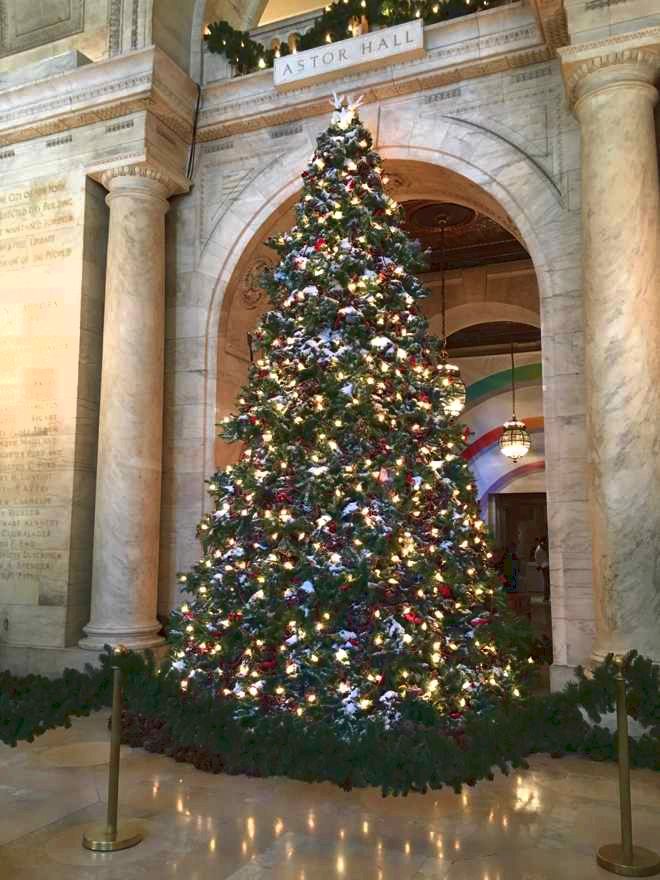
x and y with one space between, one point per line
612 86
129 473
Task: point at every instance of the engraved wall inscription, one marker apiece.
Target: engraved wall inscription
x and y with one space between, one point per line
40 279
32 220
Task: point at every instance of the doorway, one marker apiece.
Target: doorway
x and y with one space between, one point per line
520 518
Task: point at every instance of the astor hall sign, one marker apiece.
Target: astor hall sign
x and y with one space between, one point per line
375 49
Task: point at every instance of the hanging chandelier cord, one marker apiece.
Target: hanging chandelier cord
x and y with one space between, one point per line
513 384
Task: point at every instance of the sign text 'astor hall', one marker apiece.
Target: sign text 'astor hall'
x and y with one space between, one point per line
369 50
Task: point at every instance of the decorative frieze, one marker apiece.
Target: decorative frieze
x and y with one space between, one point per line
442 96
114 27
217 148
286 130
119 126
134 24
628 55
146 80
58 141
527 75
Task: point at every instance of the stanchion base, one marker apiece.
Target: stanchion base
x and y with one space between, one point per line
646 863
98 839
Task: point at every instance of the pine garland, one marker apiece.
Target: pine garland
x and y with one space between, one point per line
412 757
333 24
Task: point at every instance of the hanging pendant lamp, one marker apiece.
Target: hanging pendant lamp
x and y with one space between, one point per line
515 441
454 401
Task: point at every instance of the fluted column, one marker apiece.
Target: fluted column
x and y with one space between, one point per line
614 97
128 493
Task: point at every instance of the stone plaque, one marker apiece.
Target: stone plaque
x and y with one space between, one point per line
26 24
375 49
40 279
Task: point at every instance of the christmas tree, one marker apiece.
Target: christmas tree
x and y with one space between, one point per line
345 572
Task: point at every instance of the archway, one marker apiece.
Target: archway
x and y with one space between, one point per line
492 297
453 160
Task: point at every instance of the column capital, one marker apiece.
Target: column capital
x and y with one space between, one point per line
620 60
159 180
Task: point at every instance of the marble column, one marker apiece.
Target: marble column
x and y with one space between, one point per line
128 487
614 101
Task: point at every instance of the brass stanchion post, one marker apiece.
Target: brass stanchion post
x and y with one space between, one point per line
109 837
624 858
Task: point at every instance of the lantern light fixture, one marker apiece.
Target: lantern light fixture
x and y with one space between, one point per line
515 441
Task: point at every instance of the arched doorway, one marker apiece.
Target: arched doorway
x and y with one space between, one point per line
443 159
487 274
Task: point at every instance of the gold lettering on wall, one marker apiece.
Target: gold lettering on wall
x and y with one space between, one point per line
32 218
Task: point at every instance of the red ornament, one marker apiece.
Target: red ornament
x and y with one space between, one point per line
319 243
445 591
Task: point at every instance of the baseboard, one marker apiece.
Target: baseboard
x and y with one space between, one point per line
560 675
51 662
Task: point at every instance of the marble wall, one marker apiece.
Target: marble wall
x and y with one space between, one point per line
52 266
36 30
483 119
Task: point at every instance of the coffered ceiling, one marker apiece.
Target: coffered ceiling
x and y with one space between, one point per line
470 238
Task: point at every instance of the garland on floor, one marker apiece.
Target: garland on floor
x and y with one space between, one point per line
411 757
335 23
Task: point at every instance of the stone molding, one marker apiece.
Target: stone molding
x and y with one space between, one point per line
590 67
239 117
114 27
144 80
165 185
552 19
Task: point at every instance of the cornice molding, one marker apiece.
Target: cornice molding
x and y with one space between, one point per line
590 67
552 20
256 112
144 80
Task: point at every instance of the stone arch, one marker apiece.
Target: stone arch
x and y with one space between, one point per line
243 14
513 190
421 171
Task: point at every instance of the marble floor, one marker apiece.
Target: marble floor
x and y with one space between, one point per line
541 824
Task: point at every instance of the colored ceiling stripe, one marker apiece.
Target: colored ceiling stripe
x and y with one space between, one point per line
490 438
515 474
497 382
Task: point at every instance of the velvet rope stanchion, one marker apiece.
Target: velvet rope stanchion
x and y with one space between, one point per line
624 858
109 837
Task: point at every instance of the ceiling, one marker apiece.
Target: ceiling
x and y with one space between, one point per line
497 336
278 9
471 238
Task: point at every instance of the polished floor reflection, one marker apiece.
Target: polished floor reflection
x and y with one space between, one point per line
541 824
